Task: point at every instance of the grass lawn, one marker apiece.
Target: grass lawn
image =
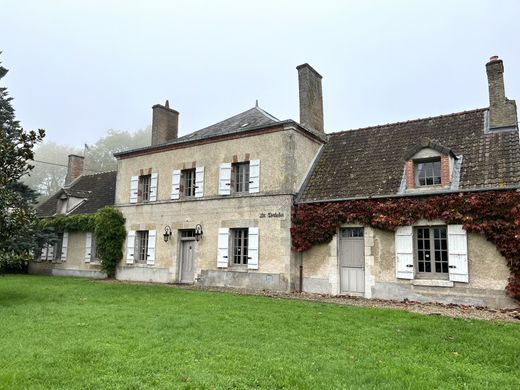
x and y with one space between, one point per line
66 333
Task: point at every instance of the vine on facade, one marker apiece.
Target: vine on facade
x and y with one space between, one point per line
495 215
108 224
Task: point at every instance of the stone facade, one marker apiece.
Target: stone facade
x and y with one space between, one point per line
285 154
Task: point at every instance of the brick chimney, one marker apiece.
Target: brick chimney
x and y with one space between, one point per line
502 111
74 168
311 98
165 124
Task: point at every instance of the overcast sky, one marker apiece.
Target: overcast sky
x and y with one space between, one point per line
79 68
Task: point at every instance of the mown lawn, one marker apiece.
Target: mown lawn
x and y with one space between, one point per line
66 333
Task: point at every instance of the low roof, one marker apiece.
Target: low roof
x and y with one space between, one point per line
97 190
370 161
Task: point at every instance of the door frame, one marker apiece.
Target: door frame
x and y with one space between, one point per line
180 241
338 254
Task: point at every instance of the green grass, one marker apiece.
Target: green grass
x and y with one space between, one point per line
65 333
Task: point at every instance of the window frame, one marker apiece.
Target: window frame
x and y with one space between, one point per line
240 177
141 247
240 252
188 183
144 188
434 178
433 256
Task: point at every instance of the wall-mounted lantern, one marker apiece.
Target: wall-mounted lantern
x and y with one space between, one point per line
167 233
198 232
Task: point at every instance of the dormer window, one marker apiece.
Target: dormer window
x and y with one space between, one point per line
428 173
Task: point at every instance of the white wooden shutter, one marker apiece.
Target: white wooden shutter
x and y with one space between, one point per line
88 247
254 176
64 246
223 248
176 184
50 252
199 182
404 252
224 186
457 254
43 255
130 246
153 187
252 248
150 257
134 188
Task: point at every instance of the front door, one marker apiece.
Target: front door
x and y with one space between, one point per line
352 260
187 255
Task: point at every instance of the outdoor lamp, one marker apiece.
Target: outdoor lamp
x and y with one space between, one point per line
198 232
167 233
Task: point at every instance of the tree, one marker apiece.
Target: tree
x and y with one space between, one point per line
18 221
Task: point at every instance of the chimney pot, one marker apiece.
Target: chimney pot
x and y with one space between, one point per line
311 97
74 168
493 58
165 123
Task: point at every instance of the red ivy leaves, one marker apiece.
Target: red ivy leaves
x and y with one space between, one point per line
494 215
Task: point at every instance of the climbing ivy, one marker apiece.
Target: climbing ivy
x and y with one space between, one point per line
494 215
109 226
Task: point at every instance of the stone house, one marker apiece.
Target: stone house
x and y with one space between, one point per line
461 153
214 206
74 253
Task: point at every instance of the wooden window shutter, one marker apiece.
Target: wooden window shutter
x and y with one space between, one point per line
457 254
150 258
224 187
134 189
199 182
153 187
50 252
223 248
252 249
64 246
130 247
176 184
404 252
254 176
88 247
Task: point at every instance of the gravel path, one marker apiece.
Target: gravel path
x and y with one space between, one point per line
449 310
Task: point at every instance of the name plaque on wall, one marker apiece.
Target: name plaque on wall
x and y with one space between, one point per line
271 215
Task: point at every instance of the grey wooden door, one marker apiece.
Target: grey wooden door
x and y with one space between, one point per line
352 260
187 256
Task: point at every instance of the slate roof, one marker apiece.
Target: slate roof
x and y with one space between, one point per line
98 190
370 161
251 119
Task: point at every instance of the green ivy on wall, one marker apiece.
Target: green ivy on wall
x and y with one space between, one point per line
108 224
494 215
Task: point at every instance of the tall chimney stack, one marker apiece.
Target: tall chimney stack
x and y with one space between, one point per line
502 111
74 168
165 124
311 98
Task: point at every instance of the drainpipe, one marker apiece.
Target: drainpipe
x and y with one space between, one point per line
301 272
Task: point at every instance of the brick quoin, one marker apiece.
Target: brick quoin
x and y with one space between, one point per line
445 170
410 177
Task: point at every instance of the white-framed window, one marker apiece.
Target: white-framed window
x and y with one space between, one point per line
428 172
434 252
187 183
91 248
239 178
238 247
143 188
56 251
140 247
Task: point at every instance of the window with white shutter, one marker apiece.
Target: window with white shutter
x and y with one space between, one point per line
199 182
150 256
224 187
134 189
130 247
457 254
153 187
64 246
252 250
223 248
254 176
176 184
404 252
88 247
